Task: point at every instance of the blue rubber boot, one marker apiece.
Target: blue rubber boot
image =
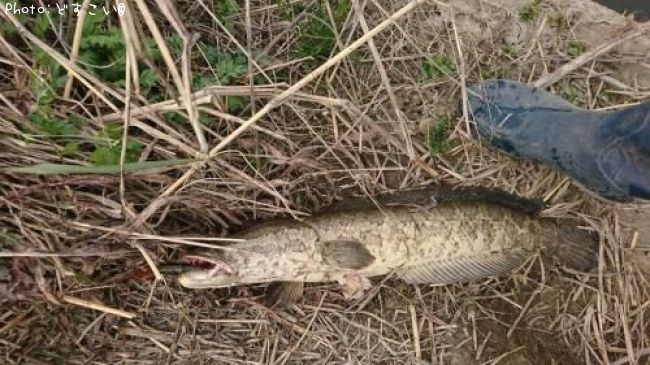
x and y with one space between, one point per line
607 152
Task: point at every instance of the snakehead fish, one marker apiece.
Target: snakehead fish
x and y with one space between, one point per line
431 235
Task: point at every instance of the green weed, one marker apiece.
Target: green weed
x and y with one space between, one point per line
558 22
51 77
438 134
289 10
70 149
102 52
236 104
228 66
45 120
576 48
225 9
530 11
488 72
109 147
318 38
573 94
509 51
9 29
175 117
38 24
440 66
102 49
606 97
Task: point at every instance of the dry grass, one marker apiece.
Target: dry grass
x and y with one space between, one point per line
76 246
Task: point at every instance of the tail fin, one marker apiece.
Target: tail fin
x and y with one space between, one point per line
574 248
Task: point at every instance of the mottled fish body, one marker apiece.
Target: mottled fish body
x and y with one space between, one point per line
440 243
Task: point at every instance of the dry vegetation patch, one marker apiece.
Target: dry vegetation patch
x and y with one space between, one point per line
128 107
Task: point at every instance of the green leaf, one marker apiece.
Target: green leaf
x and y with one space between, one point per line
318 39
228 66
113 131
607 97
175 117
93 23
202 81
509 51
44 94
488 73
573 94
78 120
530 11
576 48
41 25
111 40
9 29
59 82
50 125
109 154
438 135
148 79
70 149
52 77
205 119
151 48
440 66
133 150
225 8
105 155
42 58
105 52
557 21
97 18
55 169
236 104
288 10
175 44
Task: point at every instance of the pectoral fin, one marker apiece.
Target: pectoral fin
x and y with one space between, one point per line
346 254
461 269
284 293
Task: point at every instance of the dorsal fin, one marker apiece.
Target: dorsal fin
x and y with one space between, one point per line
445 194
417 196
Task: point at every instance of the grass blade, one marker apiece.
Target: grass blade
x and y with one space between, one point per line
55 169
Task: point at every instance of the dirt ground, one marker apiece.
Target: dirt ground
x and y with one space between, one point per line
75 286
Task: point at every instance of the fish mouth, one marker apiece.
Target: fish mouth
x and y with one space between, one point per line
199 272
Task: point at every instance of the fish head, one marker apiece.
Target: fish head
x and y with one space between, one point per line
204 271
